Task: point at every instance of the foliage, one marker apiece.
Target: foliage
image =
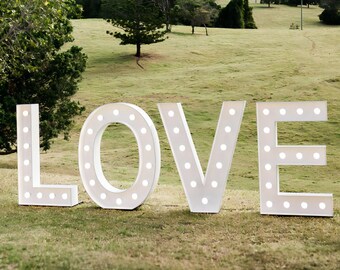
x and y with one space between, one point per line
237 14
196 13
249 21
91 8
166 7
140 20
33 70
331 14
330 4
298 2
268 2
231 16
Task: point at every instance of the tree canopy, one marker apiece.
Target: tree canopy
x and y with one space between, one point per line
141 21
196 13
331 13
33 69
237 14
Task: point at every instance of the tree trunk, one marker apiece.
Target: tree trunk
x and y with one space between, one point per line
138 50
168 27
206 30
167 23
192 29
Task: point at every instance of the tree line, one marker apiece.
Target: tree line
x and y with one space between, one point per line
330 15
141 21
184 12
35 69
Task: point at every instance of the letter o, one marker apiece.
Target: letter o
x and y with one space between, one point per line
94 181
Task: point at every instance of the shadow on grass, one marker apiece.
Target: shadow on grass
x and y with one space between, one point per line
180 34
265 7
7 165
114 58
319 23
123 60
171 226
150 214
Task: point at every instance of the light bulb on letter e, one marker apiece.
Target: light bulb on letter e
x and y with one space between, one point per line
271 155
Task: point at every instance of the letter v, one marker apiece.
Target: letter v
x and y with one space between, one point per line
204 193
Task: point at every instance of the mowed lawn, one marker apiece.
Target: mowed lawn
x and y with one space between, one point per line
272 63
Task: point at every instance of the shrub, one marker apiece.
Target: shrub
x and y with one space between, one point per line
34 69
237 14
91 8
330 16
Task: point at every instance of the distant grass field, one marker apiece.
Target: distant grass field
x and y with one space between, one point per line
272 63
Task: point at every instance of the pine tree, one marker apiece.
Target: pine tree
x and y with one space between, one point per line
248 16
140 20
331 14
237 14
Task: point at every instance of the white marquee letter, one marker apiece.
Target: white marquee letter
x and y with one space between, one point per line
271 155
204 193
30 191
96 185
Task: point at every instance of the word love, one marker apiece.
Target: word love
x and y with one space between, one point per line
204 192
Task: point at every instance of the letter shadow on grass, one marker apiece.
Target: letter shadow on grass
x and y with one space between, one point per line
7 165
149 222
144 219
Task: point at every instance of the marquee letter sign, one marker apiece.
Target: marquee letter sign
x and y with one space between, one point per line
96 185
204 193
30 191
271 155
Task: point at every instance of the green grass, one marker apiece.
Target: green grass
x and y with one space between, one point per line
272 63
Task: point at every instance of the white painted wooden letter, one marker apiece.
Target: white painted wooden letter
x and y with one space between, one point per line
96 185
271 155
30 191
204 193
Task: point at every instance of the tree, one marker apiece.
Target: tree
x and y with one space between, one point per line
166 8
196 13
249 21
298 2
237 14
268 2
232 15
34 70
311 2
331 14
140 20
91 8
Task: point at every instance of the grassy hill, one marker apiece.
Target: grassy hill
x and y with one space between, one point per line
272 63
